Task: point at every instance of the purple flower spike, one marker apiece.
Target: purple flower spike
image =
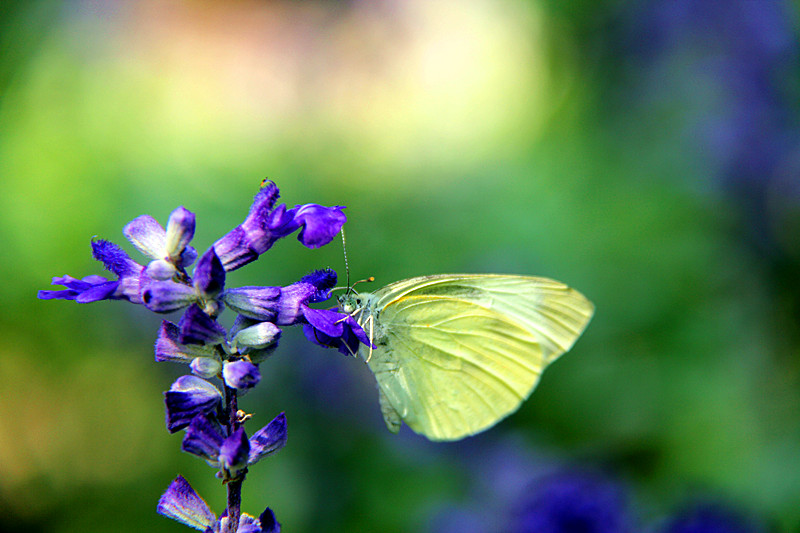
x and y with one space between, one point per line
196 327
180 502
234 452
268 439
203 438
188 397
170 348
241 375
269 524
85 290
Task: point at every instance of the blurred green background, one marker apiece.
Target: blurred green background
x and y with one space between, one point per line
645 153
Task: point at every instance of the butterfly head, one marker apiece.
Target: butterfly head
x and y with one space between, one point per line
350 302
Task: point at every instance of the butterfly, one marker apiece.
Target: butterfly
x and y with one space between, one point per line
453 354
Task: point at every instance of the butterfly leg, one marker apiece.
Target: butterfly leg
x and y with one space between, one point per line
371 321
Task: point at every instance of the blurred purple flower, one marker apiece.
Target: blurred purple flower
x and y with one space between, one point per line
568 502
708 517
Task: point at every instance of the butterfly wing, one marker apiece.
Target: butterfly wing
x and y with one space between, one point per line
457 353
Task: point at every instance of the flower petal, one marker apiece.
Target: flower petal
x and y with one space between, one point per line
203 438
115 259
147 235
261 335
268 439
169 347
260 303
327 321
196 327
252 237
206 367
334 330
324 280
234 452
241 374
188 397
319 224
160 269
180 502
209 275
248 524
180 230
268 522
167 296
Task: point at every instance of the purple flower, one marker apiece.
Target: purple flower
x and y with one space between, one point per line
196 327
259 303
283 306
268 523
268 439
318 225
180 502
169 249
258 336
209 276
241 375
204 360
205 439
167 296
188 397
332 329
265 225
85 290
96 288
233 454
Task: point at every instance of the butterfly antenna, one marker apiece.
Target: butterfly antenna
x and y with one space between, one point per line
348 287
346 266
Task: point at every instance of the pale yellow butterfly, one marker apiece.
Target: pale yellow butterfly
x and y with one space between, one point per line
456 353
